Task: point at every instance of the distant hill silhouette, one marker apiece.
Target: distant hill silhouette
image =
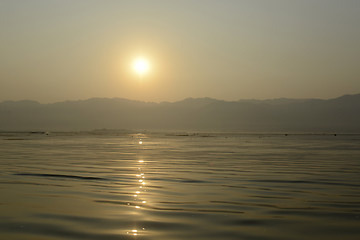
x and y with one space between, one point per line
281 115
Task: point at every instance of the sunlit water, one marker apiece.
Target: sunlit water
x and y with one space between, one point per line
167 187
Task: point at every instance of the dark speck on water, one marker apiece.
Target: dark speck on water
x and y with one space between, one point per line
177 186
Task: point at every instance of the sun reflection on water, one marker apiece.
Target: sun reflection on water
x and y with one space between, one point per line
133 232
138 195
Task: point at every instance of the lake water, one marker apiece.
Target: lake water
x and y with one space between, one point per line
162 186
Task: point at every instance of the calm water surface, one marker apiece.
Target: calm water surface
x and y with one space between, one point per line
167 187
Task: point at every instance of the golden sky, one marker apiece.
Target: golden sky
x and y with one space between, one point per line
55 50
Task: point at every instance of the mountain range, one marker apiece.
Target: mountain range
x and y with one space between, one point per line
202 114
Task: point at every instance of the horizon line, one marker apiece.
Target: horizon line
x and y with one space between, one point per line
183 99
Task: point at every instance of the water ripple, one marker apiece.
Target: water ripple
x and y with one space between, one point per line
60 176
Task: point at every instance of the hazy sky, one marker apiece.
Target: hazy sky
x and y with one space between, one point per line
54 50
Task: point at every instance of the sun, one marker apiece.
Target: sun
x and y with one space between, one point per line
141 66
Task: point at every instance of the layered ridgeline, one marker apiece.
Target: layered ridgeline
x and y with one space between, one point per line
278 115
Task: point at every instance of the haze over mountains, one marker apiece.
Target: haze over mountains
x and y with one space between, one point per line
340 115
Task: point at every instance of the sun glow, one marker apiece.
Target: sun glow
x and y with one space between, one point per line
141 66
